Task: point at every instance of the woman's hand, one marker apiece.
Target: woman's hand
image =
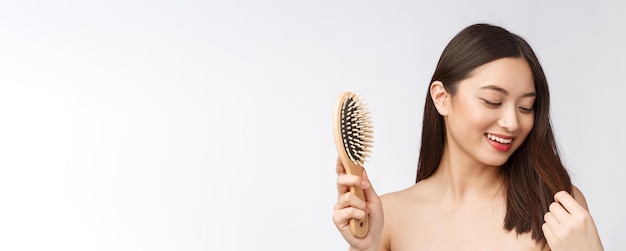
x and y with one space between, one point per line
349 206
569 226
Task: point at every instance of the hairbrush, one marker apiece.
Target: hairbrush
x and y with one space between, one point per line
353 132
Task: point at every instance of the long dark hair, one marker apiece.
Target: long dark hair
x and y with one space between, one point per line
534 172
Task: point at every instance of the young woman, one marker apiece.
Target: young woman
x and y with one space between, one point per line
489 175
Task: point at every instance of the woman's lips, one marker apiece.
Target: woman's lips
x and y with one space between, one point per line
501 143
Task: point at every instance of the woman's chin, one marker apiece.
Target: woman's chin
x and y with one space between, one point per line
495 161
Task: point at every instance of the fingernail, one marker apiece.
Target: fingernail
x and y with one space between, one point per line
364 184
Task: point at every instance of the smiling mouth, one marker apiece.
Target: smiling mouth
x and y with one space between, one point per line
500 140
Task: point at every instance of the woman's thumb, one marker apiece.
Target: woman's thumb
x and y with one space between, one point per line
368 189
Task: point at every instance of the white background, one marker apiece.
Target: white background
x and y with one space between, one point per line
195 125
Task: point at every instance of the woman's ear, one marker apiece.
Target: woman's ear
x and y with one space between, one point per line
440 97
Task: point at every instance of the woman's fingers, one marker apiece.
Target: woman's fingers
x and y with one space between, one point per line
350 200
550 220
558 212
368 189
569 203
552 224
342 217
348 205
345 181
339 168
547 231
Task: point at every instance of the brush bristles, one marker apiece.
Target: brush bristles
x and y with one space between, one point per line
356 129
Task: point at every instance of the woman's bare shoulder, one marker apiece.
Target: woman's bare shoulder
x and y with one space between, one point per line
404 197
400 207
579 197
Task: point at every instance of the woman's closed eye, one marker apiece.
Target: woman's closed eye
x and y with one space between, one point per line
491 104
495 104
526 110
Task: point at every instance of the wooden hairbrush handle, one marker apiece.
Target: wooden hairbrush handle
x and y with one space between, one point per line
359 228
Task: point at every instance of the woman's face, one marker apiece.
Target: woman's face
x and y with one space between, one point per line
492 111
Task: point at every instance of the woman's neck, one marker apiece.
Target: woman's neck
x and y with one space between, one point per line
460 178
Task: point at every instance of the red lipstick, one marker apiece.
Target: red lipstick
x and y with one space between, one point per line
501 143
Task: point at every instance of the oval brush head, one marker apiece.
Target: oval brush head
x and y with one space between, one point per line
353 133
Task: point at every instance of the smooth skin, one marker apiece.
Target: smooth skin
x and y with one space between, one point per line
462 205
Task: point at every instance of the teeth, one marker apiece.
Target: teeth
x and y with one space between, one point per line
500 140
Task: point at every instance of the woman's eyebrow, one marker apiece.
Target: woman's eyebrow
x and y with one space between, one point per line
505 92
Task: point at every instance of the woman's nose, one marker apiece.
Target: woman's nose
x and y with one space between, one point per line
509 120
